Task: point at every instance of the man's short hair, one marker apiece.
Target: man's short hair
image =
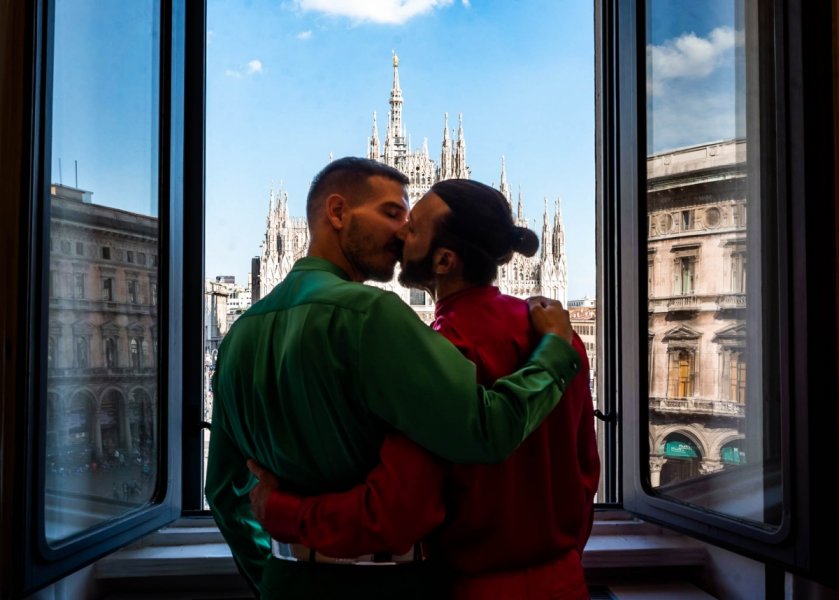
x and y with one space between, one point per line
480 228
348 175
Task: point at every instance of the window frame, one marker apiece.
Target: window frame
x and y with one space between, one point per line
36 563
791 126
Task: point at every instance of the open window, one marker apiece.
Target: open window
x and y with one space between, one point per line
97 444
705 177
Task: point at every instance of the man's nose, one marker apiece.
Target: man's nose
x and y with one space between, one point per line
402 232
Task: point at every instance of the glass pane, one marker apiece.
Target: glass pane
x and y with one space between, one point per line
103 401
450 90
709 433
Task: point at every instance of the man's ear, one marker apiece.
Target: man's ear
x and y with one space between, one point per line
445 261
336 210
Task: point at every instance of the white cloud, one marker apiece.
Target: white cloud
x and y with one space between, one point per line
689 57
391 12
211 35
686 119
304 35
466 3
254 66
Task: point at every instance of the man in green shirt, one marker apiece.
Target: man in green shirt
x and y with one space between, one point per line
311 377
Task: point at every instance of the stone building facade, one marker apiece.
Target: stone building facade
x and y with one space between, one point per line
102 340
697 256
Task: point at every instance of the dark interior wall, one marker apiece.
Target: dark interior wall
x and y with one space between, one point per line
13 76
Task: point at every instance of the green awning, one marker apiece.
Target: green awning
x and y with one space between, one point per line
680 449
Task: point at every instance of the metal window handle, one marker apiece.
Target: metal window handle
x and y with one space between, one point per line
609 417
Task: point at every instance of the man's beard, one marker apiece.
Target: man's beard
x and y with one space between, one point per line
418 273
362 251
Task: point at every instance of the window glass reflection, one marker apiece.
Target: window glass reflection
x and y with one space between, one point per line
102 400
706 426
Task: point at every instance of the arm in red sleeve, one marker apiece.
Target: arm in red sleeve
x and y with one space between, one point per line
400 503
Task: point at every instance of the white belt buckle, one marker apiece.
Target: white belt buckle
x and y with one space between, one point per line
277 550
299 553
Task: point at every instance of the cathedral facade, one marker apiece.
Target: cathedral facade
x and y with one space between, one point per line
287 238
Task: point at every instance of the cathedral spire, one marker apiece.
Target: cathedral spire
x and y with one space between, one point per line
284 212
460 168
445 129
547 237
520 211
395 125
503 185
373 147
446 152
559 233
396 89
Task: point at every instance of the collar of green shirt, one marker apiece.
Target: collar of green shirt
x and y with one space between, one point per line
316 263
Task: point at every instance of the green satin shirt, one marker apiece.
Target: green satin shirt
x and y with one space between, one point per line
311 377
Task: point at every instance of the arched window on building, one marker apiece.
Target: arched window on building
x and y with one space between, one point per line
141 422
111 424
733 453
683 459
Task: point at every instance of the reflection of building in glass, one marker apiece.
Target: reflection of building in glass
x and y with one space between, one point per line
102 341
697 302
287 238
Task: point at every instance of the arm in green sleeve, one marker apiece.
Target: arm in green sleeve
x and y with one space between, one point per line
226 489
420 383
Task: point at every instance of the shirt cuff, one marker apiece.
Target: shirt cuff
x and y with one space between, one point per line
282 517
558 357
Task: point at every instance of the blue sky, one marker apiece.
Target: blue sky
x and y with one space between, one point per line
288 83
291 82
695 73
104 93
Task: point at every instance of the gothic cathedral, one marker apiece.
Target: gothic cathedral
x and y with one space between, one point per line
546 273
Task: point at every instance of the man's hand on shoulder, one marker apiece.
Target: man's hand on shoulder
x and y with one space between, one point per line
549 316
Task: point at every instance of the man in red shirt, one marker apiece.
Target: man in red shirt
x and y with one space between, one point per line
511 530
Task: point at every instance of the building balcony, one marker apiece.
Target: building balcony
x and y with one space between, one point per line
730 301
87 305
686 302
101 373
699 406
